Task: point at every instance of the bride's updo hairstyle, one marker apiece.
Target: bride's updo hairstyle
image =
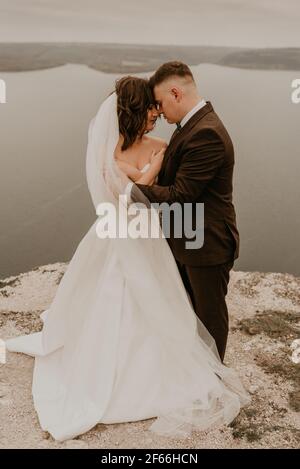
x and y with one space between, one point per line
134 99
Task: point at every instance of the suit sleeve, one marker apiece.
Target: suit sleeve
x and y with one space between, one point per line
199 165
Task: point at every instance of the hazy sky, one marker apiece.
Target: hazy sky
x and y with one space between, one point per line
261 23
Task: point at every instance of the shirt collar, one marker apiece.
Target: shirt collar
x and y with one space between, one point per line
193 111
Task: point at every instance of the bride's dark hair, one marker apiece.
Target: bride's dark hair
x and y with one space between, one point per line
134 99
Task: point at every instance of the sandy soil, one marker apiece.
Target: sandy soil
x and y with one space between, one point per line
264 321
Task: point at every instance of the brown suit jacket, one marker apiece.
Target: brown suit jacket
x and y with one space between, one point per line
198 167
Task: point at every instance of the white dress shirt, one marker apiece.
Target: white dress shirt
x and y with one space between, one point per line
193 111
186 118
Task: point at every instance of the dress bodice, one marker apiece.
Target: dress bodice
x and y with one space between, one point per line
145 168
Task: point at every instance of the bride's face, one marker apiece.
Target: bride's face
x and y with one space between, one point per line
151 118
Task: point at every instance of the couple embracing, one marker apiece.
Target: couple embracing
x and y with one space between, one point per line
138 327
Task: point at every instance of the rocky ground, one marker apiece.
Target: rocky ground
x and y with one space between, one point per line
264 319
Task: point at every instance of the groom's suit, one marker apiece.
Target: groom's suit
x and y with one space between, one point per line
198 167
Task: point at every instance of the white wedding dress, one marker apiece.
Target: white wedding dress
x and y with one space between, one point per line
120 341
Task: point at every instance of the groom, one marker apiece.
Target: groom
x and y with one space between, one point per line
198 167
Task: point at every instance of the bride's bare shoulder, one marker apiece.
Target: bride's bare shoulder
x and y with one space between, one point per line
156 142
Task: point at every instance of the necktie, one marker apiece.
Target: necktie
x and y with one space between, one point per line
177 130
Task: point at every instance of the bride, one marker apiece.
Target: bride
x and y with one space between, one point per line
120 341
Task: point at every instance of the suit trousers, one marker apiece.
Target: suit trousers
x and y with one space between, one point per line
207 287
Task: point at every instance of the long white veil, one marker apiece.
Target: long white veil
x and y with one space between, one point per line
103 177
81 308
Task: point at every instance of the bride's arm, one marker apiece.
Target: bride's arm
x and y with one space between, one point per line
156 160
148 177
133 173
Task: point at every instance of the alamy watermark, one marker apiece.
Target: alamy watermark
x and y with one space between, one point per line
2 91
295 348
139 221
2 352
295 96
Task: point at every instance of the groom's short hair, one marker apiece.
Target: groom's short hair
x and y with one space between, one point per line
168 70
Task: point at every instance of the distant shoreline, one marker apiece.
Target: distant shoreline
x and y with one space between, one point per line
131 58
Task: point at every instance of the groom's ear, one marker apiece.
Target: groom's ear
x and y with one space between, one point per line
176 92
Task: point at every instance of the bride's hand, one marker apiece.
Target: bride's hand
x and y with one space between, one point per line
156 159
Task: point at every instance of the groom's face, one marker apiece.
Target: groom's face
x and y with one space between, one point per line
168 100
